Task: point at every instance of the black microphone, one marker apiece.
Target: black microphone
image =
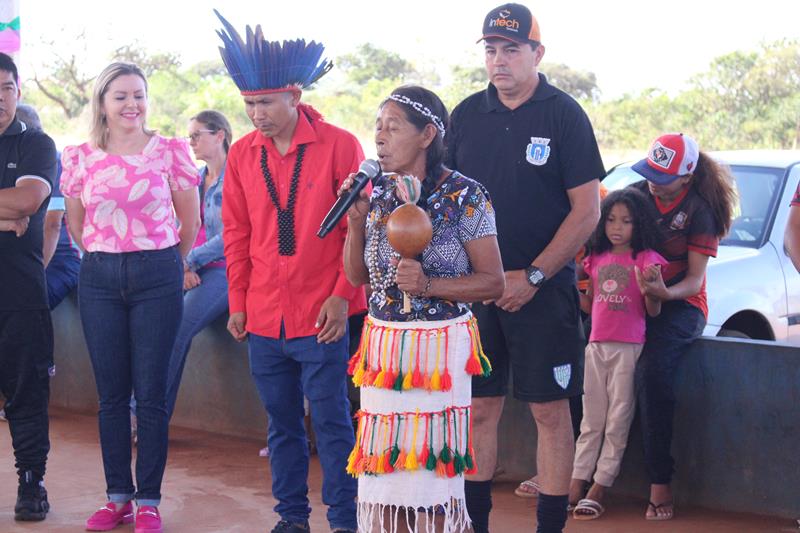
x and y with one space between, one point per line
368 170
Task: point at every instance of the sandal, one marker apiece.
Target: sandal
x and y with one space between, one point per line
588 510
667 514
528 489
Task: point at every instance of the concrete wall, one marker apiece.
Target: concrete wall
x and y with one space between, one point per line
737 426
217 393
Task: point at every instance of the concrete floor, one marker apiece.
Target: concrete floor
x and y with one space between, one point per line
216 483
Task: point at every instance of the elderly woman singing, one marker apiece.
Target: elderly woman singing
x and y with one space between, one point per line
414 365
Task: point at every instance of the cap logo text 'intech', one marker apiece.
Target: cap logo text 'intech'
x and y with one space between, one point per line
504 22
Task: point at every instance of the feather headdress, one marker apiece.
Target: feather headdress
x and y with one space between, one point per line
258 66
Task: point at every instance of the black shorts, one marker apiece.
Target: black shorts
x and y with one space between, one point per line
542 345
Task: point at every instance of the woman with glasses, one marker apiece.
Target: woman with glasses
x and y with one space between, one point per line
206 289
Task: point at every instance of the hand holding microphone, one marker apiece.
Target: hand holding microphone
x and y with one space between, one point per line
351 193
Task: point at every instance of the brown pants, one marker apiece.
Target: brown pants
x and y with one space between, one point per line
608 407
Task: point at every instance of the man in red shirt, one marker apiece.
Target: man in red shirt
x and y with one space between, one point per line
287 288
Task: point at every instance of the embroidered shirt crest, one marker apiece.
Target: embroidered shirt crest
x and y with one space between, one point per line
538 151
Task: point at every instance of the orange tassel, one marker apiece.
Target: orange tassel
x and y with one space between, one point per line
441 469
372 465
355 458
351 364
400 464
426 382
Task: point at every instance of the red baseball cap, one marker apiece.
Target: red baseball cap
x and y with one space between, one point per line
670 156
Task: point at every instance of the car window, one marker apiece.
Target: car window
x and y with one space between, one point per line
757 191
620 177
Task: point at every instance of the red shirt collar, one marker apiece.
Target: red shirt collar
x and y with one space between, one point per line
666 208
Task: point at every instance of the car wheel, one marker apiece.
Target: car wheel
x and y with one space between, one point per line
733 334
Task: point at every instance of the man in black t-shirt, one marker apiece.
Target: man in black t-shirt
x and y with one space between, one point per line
27 170
534 149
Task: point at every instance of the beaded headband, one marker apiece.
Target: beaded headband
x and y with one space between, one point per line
421 109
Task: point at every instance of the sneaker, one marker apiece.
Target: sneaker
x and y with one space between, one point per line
32 504
287 527
110 516
263 452
147 520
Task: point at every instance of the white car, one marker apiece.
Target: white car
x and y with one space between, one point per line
753 288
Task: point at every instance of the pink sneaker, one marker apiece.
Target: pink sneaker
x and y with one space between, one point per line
148 520
110 516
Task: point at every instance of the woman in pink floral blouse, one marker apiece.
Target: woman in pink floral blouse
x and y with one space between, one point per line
126 190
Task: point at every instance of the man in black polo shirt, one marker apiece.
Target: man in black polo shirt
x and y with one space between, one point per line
533 148
27 170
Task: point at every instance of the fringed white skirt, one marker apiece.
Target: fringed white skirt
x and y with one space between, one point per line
413 443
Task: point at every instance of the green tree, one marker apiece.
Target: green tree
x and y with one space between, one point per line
579 84
368 62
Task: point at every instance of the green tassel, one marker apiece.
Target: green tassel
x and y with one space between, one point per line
486 366
431 463
398 383
445 455
458 463
468 461
394 455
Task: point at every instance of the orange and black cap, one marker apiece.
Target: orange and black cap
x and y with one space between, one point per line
513 22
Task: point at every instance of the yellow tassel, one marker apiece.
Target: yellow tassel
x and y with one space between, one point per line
380 469
436 380
407 381
358 377
411 461
379 379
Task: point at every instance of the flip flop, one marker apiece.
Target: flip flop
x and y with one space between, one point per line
588 510
527 489
658 517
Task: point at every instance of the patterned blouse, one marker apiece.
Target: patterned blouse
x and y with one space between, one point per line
128 198
460 211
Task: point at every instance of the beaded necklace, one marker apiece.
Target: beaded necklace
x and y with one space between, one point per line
377 280
286 240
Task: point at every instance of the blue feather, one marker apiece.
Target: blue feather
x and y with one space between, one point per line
256 64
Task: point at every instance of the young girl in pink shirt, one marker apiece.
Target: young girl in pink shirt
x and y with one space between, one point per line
622 244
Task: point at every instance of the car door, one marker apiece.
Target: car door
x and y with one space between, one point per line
791 276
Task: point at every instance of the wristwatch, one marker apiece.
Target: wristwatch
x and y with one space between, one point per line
535 276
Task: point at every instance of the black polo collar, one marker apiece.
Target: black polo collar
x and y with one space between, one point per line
15 128
491 102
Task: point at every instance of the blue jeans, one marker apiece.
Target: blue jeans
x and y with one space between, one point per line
284 371
201 306
131 305
669 336
62 276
